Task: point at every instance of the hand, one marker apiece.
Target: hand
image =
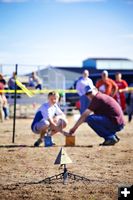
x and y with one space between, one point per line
121 90
53 128
53 125
72 130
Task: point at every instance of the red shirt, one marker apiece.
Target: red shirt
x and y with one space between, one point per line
103 104
1 87
120 96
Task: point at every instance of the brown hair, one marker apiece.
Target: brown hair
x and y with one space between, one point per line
52 93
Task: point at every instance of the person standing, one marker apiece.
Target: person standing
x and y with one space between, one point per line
122 88
80 87
35 81
106 85
3 97
11 82
130 103
2 80
107 117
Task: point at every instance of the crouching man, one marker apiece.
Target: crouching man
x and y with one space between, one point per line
48 117
104 116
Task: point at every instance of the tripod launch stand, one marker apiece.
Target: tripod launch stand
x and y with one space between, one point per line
64 159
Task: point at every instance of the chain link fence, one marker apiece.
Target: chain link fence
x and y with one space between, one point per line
51 79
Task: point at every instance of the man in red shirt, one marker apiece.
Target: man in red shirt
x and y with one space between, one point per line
122 87
107 118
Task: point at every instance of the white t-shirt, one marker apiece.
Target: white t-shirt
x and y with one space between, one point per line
102 88
49 111
82 83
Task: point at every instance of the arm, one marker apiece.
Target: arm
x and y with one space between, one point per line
112 87
115 88
125 87
53 125
58 121
78 88
51 121
80 121
123 90
98 84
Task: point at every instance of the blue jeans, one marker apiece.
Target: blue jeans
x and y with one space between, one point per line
84 103
6 112
103 126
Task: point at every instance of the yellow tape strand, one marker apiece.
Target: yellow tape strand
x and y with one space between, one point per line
45 91
28 92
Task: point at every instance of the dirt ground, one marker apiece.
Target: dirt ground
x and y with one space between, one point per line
23 167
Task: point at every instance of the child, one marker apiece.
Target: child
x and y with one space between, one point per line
48 116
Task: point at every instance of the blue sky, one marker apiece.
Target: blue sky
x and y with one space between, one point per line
64 32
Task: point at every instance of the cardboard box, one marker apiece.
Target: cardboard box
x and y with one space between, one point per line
70 140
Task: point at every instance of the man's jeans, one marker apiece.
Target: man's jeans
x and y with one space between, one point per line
84 103
103 126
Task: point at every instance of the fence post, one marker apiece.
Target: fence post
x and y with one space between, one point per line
15 95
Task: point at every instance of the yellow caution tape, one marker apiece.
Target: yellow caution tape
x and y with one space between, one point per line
45 91
130 88
25 90
31 92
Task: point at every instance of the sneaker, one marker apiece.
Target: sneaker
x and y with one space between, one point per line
53 144
109 142
129 118
37 143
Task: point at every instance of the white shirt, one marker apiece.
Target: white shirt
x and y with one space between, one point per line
49 111
82 83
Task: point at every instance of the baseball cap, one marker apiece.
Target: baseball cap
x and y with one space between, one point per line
88 89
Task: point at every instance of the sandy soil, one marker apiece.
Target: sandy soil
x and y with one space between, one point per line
23 167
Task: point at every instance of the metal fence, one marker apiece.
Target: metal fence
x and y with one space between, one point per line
52 79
